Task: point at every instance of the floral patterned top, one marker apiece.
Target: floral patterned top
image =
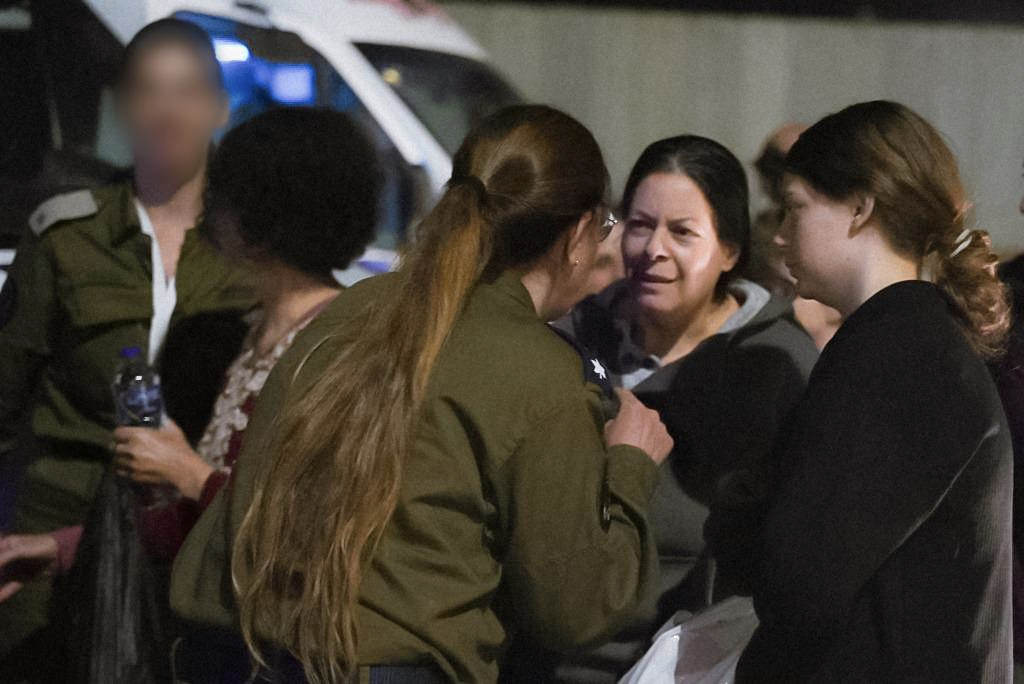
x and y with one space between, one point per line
222 441
166 526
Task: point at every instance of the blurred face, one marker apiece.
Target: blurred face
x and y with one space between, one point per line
171 108
672 254
815 237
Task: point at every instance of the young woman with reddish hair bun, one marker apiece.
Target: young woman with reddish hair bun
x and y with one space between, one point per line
885 552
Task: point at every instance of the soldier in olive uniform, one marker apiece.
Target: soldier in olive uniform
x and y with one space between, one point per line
515 508
101 270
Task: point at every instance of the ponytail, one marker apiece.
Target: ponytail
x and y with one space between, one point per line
966 274
335 465
303 590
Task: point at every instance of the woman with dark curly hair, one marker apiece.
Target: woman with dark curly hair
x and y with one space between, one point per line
292 195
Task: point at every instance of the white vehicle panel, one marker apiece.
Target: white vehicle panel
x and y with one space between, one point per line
6 259
407 132
409 23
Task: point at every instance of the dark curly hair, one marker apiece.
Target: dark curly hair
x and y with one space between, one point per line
298 185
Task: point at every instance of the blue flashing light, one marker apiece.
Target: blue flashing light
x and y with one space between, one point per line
229 50
293 84
375 266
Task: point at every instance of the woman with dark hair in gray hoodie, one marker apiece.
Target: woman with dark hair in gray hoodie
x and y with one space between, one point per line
721 359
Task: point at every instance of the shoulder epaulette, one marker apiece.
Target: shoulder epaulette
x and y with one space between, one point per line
65 207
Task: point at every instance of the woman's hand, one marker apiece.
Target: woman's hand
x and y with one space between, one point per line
638 426
160 456
22 558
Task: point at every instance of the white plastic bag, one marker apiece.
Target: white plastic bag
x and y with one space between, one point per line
703 649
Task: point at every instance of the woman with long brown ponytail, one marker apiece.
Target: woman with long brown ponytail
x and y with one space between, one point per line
426 471
885 553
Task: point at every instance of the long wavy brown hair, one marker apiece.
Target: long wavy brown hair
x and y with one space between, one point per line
334 473
886 150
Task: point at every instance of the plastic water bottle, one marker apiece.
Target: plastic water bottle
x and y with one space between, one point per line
137 396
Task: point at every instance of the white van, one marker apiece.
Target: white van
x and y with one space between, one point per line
404 69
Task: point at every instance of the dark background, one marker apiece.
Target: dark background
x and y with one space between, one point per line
932 10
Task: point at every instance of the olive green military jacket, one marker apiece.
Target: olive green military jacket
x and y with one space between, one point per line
79 291
513 515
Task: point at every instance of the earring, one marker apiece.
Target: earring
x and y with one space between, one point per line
576 261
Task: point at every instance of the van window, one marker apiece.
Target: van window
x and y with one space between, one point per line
55 61
24 119
449 94
82 58
266 68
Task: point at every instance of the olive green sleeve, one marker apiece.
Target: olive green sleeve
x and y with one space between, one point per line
26 327
580 553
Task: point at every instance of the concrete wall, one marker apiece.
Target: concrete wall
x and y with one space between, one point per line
635 76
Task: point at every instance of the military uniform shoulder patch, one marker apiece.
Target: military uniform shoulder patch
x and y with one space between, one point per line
594 371
65 207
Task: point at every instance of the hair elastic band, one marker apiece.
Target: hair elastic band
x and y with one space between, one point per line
471 182
963 241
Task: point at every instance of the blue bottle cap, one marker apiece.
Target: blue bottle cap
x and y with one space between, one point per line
130 352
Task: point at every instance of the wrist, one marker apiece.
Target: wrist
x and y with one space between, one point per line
195 477
65 548
52 553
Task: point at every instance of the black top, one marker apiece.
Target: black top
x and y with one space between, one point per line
885 554
1009 376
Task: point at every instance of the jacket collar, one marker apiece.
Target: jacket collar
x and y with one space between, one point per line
508 286
907 300
621 345
119 199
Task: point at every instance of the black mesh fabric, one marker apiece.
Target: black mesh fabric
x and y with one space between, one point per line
113 622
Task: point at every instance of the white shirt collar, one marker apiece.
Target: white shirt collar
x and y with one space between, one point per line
165 294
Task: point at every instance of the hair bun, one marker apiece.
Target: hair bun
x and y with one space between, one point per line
472 182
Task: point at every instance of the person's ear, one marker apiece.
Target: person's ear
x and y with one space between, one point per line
577 238
863 208
731 256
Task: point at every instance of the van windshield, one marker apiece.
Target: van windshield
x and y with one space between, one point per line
266 68
449 94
